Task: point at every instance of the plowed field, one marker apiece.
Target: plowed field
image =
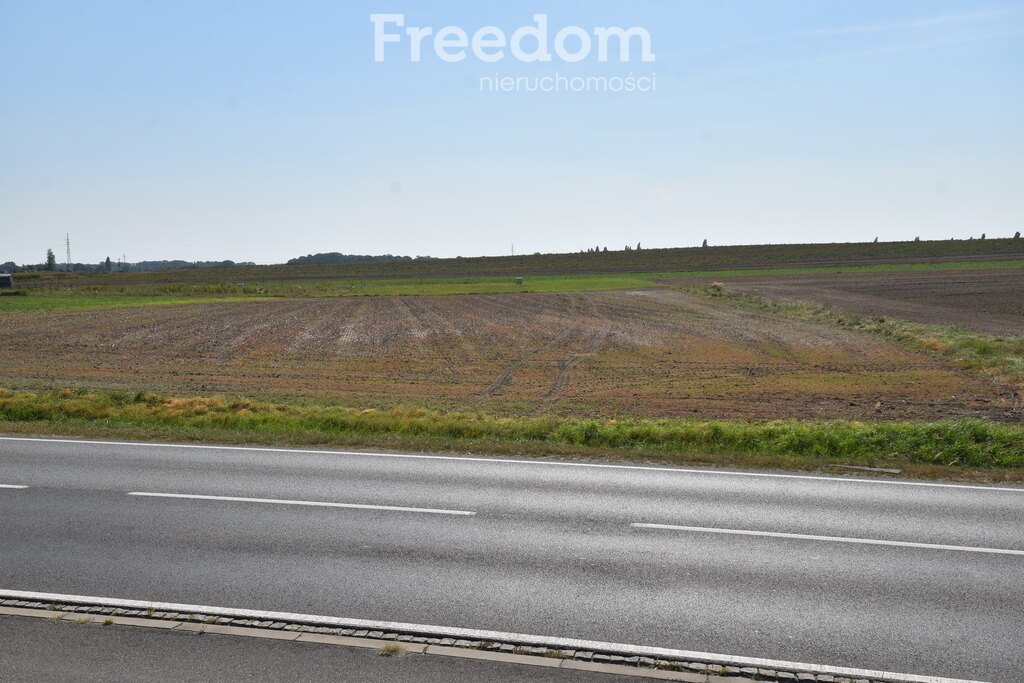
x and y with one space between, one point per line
657 353
989 301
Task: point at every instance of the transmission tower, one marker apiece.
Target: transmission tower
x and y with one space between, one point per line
67 243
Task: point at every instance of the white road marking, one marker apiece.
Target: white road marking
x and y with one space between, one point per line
830 539
12 486
475 634
545 463
312 503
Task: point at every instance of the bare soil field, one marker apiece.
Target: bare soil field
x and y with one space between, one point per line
988 301
651 353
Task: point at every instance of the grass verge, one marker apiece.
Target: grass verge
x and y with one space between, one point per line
968 449
1001 358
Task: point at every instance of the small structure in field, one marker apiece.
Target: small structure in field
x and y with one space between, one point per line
519 281
6 280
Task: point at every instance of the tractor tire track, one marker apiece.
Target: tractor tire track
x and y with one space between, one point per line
508 374
567 365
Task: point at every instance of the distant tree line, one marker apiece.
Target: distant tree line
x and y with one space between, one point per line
51 264
106 265
599 249
335 257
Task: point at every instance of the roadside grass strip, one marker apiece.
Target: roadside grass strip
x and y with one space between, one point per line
783 444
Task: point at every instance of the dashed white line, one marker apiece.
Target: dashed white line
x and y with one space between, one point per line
12 486
311 503
539 463
830 539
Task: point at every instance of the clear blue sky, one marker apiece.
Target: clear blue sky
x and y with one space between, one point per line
264 130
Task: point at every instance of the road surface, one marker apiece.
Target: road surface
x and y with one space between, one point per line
114 654
911 577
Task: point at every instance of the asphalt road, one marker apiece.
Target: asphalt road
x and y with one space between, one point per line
542 548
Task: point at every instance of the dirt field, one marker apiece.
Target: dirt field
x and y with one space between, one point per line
655 353
989 301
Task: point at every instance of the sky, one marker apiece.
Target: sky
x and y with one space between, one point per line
260 131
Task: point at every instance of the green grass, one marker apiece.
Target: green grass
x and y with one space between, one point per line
999 357
66 302
949 448
82 297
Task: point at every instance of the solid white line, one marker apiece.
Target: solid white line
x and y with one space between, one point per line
12 486
312 503
545 463
474 634
830 539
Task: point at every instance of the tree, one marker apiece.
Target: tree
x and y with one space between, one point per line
107 265
1016 235
51 260
982 235
876 240
638 246
705 243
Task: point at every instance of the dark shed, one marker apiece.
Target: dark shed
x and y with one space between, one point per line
6 280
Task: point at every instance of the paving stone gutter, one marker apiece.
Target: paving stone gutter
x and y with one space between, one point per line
644 661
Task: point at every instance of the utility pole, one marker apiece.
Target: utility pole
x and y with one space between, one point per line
67 243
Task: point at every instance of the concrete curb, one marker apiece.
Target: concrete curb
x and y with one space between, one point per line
368 643
665 663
